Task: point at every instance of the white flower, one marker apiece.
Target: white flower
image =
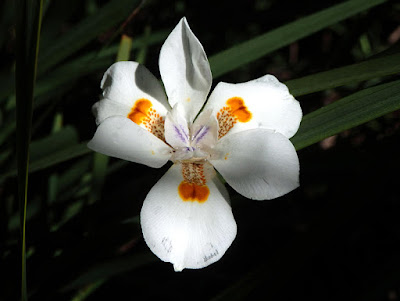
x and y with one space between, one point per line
243 132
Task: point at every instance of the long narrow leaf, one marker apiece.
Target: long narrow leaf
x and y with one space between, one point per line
109 15
28 32
81 66
348 112
55 158
253 49
345 75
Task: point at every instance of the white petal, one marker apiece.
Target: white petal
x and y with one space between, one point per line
176 129
185 70
259 164
123 84
122 138
189 234
264 103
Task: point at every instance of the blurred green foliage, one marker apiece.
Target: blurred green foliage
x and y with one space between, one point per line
334 238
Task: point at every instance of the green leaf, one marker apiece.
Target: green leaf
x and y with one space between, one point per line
108 16
124 49
80 66
100 164
47 146
28 31
87 290
89 63
61 139
258 47
141 56
61 155
73 178
52 186
348 112
351 74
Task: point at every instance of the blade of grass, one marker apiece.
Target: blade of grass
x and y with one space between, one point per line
28 20
55 158
91 62
351 74
73 177
87 290
141 55
52 186
87 30
348 112
81 66
100 163
124 48
48 145
254 49
108 16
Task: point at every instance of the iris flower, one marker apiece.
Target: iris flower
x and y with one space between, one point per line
242 132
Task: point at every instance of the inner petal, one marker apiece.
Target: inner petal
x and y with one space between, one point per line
176 129
204 131
234 111
194 185
143 114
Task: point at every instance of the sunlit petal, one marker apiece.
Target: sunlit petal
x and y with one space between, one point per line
259 164
185 70
124 84
188 224
121 138
260 103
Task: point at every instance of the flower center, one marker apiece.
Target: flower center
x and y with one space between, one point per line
191 154
191 142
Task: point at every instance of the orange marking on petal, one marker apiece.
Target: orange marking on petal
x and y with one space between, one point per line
238 109
234 111
143 114
140 111
193 192
193 187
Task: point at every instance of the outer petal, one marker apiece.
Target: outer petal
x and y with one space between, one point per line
185 70
264 102
189 234
123 84
121 138
259 164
